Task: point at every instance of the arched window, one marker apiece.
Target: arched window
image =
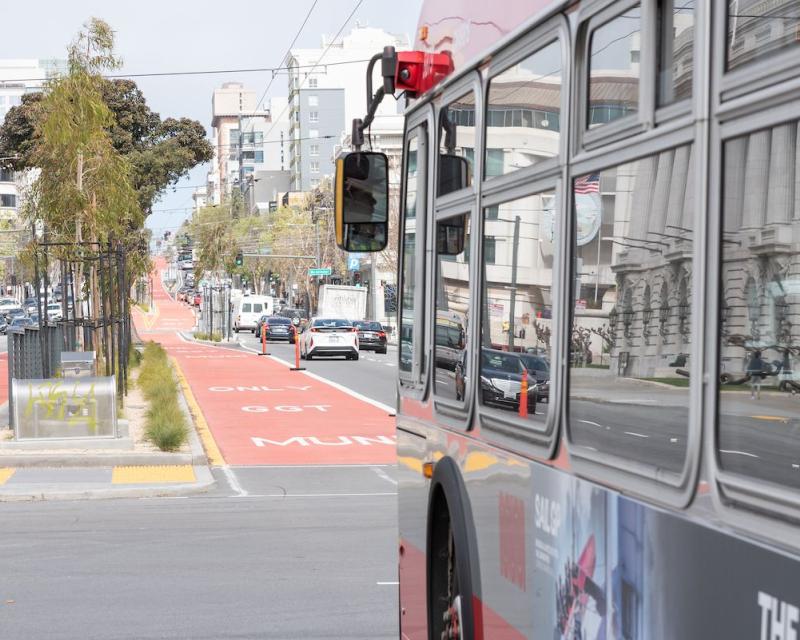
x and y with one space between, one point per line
647 313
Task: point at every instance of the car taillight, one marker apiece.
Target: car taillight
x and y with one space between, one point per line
314 330
381 334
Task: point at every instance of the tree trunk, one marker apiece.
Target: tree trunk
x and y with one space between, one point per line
77 300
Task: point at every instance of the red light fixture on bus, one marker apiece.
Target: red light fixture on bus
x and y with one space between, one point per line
418 71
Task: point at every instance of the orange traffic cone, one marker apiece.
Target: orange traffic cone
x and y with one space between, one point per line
523 395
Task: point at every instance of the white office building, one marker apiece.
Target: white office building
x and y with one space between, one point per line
324 98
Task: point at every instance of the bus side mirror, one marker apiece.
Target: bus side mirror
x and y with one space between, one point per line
362 201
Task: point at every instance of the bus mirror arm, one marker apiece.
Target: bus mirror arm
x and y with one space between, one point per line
388 60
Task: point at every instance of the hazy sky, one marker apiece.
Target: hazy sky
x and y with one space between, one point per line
188 35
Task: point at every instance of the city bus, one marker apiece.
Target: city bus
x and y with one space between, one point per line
633 196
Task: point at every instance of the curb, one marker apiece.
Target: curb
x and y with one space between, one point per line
205 482
148 459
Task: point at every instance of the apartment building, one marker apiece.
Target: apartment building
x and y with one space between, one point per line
247 137
325 94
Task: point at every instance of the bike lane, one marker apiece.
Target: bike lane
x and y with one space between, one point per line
261 413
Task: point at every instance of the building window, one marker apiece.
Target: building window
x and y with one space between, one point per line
313 133
313 116
452 301
617 213
313 150
760 304
259 156
234 137
314 166
613 77
489 249
676 50
516 347
6 175
533 81
313 101
258 137
247 170
313 83
8 200
314 183
456 137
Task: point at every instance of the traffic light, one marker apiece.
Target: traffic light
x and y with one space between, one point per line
239 259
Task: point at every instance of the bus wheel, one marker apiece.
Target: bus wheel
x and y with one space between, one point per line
448 594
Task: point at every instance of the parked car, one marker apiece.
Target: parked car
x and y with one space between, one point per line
20 322
14 312
3 325
538 367
6 304
329 337
278 328
297 316
371 335
54 312
501 380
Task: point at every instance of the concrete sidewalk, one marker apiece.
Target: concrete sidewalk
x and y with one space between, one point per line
607 389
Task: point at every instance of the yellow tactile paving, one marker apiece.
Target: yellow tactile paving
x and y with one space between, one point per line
213 453
155 474
5 474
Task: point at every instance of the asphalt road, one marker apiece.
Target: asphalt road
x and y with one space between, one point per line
306 554
372 375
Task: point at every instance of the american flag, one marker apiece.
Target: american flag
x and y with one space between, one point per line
588 184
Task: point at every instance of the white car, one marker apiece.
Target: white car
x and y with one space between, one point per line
6 304
329 337
54 311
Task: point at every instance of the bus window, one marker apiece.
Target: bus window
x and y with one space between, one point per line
516 311
524 113
630 350
414 158
451 332
457 138
614 68
676 50
759 341
759 29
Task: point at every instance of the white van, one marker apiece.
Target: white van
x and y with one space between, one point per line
250 310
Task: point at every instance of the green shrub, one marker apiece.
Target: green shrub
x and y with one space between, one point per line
166 425
165 421
203 335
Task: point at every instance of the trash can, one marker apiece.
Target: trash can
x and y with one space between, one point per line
77 364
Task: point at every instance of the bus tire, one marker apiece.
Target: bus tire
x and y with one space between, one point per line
452 544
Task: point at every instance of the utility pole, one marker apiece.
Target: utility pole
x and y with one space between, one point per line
512 306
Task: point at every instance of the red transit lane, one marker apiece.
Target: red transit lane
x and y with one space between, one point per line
3 378
261 413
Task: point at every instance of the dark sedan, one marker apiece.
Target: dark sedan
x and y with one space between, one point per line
501 381
277 328
538 367
371 336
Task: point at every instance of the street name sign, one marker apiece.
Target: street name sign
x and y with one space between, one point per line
323 271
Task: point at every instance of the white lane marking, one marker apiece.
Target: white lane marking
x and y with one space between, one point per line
336 385
320 495
234 482
308 466
795 466
382 474
387 583
673 440
594 424
638 435
739 453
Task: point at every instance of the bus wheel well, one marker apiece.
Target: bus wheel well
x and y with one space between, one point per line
453 577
